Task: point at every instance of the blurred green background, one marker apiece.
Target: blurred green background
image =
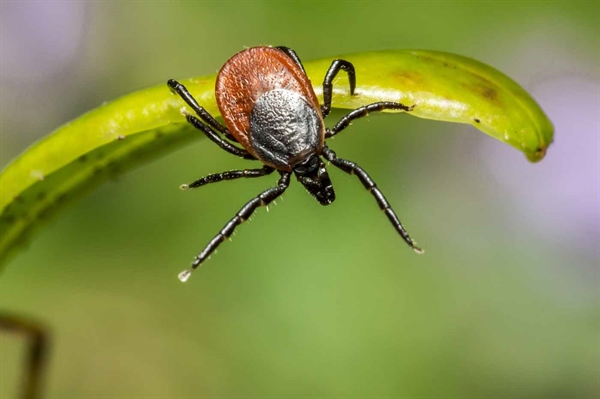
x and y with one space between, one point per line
312 301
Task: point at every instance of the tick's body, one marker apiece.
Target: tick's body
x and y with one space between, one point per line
270 108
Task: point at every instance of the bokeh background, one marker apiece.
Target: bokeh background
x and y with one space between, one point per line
312 301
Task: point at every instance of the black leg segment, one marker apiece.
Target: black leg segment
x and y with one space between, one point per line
215 138
183 92
263 199
335 67
38 351
229 175
362 112
292 54
353 169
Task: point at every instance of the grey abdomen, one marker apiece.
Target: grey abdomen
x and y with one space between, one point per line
284 128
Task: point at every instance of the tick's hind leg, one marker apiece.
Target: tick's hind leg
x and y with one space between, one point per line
263 199
38 348
353 169
332 72
362 112
218 140
183 92
229 175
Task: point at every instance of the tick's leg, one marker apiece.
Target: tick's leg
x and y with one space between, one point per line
362 112
335 67
292 54
181 90
263 199
229 175
215 138
353 169
38 348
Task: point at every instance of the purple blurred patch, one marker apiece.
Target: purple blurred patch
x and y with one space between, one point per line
559 197
40 38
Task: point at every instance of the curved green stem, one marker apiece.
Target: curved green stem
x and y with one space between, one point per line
144 125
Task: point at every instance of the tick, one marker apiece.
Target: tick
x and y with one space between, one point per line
271 110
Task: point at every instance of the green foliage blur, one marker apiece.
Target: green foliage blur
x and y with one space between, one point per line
311 301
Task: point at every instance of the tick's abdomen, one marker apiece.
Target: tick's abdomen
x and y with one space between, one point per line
284 128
